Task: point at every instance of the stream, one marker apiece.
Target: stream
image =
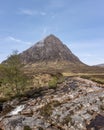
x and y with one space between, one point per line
16 110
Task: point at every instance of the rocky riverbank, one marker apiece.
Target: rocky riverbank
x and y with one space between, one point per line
73 105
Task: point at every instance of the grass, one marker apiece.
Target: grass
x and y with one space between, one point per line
53 82
96 78
49 81
3 99
44 81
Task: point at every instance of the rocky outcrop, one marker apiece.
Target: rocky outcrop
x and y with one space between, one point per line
72 105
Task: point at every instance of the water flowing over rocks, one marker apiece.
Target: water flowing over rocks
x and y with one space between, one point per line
16 110
76 104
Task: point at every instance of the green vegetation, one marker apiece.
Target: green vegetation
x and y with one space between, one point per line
27 128
96 78
46 110
12 77
57 78
53 82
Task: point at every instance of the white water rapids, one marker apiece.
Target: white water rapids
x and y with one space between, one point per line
16 110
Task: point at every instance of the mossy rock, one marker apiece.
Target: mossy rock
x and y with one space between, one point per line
46 110
27 128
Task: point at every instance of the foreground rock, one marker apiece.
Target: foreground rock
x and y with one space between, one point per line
97 123
74 105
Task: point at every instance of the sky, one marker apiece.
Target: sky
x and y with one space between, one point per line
77 23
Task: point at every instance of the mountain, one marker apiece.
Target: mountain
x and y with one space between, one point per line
49 49
100 65
52 55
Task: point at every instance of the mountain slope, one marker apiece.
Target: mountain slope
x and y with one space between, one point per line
49 49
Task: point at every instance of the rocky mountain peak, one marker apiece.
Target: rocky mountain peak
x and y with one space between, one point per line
51 36
50 48
52 39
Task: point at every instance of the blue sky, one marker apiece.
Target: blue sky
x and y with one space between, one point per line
78 23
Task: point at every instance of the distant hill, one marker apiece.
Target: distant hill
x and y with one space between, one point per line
49 49
100 65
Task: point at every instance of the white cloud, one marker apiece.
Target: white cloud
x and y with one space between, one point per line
18 40
11 39
30 12
14 39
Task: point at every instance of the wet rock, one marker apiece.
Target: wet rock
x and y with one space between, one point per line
97 123
27 112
